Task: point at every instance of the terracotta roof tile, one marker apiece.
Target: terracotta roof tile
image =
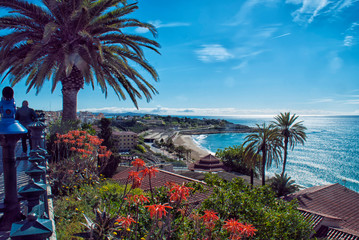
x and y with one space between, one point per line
332 201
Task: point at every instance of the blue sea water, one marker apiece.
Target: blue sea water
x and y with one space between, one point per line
330 154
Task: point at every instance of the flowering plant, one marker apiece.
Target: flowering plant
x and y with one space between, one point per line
83 160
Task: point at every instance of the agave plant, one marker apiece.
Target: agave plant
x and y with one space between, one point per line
101 228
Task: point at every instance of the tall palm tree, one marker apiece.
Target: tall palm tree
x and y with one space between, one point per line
266 142
292 133
76 42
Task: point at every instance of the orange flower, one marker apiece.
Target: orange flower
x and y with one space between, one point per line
249 230
179 193
138 163
150 171
233 226
210 219
137 199
158 210
237 229
125 221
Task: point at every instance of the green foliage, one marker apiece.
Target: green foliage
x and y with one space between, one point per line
273 218
106 133
141 148
88 128
282 185
85 199
234 158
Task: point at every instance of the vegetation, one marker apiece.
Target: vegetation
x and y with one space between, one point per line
234 158
282 185
292 133
273 218
125 212
266 142
76 42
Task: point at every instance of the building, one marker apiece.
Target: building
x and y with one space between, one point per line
164 178
125 140
208 163
333 210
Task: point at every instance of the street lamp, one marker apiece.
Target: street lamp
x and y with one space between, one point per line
10 132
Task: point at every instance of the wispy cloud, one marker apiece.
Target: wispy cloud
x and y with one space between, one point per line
243 15
283 35
213 53
351 35
159 24
310 9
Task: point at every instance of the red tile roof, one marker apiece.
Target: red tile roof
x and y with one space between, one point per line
333 202
161 179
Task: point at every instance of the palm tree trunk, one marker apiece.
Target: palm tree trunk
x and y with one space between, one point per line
71 85
264 168
252 177
69 104
285 155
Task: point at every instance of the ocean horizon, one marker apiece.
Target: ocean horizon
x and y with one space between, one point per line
330 154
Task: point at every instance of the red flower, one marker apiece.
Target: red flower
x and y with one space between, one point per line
210 219
238 229
125 221
150 171
138 163
249 230
179 193
233 226
158 210
137 199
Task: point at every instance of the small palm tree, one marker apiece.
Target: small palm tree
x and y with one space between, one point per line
266 142
252 160
282 185
292 133
75 42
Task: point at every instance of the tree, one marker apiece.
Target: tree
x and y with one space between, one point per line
292 133
235 158
282 185
76 42
265 141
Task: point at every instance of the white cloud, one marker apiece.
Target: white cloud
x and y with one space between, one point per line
242 65
283 35
351 35
213 53
159 24
212 111
310 9
348 41
242 16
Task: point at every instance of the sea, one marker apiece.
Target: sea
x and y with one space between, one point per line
330 154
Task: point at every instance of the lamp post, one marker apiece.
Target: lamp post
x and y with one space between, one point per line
10 132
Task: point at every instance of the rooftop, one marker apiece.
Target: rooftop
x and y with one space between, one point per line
336 205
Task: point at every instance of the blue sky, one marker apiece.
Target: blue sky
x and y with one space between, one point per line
256 57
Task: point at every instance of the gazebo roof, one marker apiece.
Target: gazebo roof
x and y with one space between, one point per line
208 163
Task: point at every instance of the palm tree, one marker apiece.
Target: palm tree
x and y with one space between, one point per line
252 159
76 42
292 133
266 142
282 185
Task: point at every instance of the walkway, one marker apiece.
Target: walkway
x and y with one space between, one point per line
22 179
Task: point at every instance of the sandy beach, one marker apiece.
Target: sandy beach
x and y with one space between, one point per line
179 140
187 142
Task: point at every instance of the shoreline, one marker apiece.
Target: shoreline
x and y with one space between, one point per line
187 141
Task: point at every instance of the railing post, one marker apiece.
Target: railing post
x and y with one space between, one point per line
10 132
